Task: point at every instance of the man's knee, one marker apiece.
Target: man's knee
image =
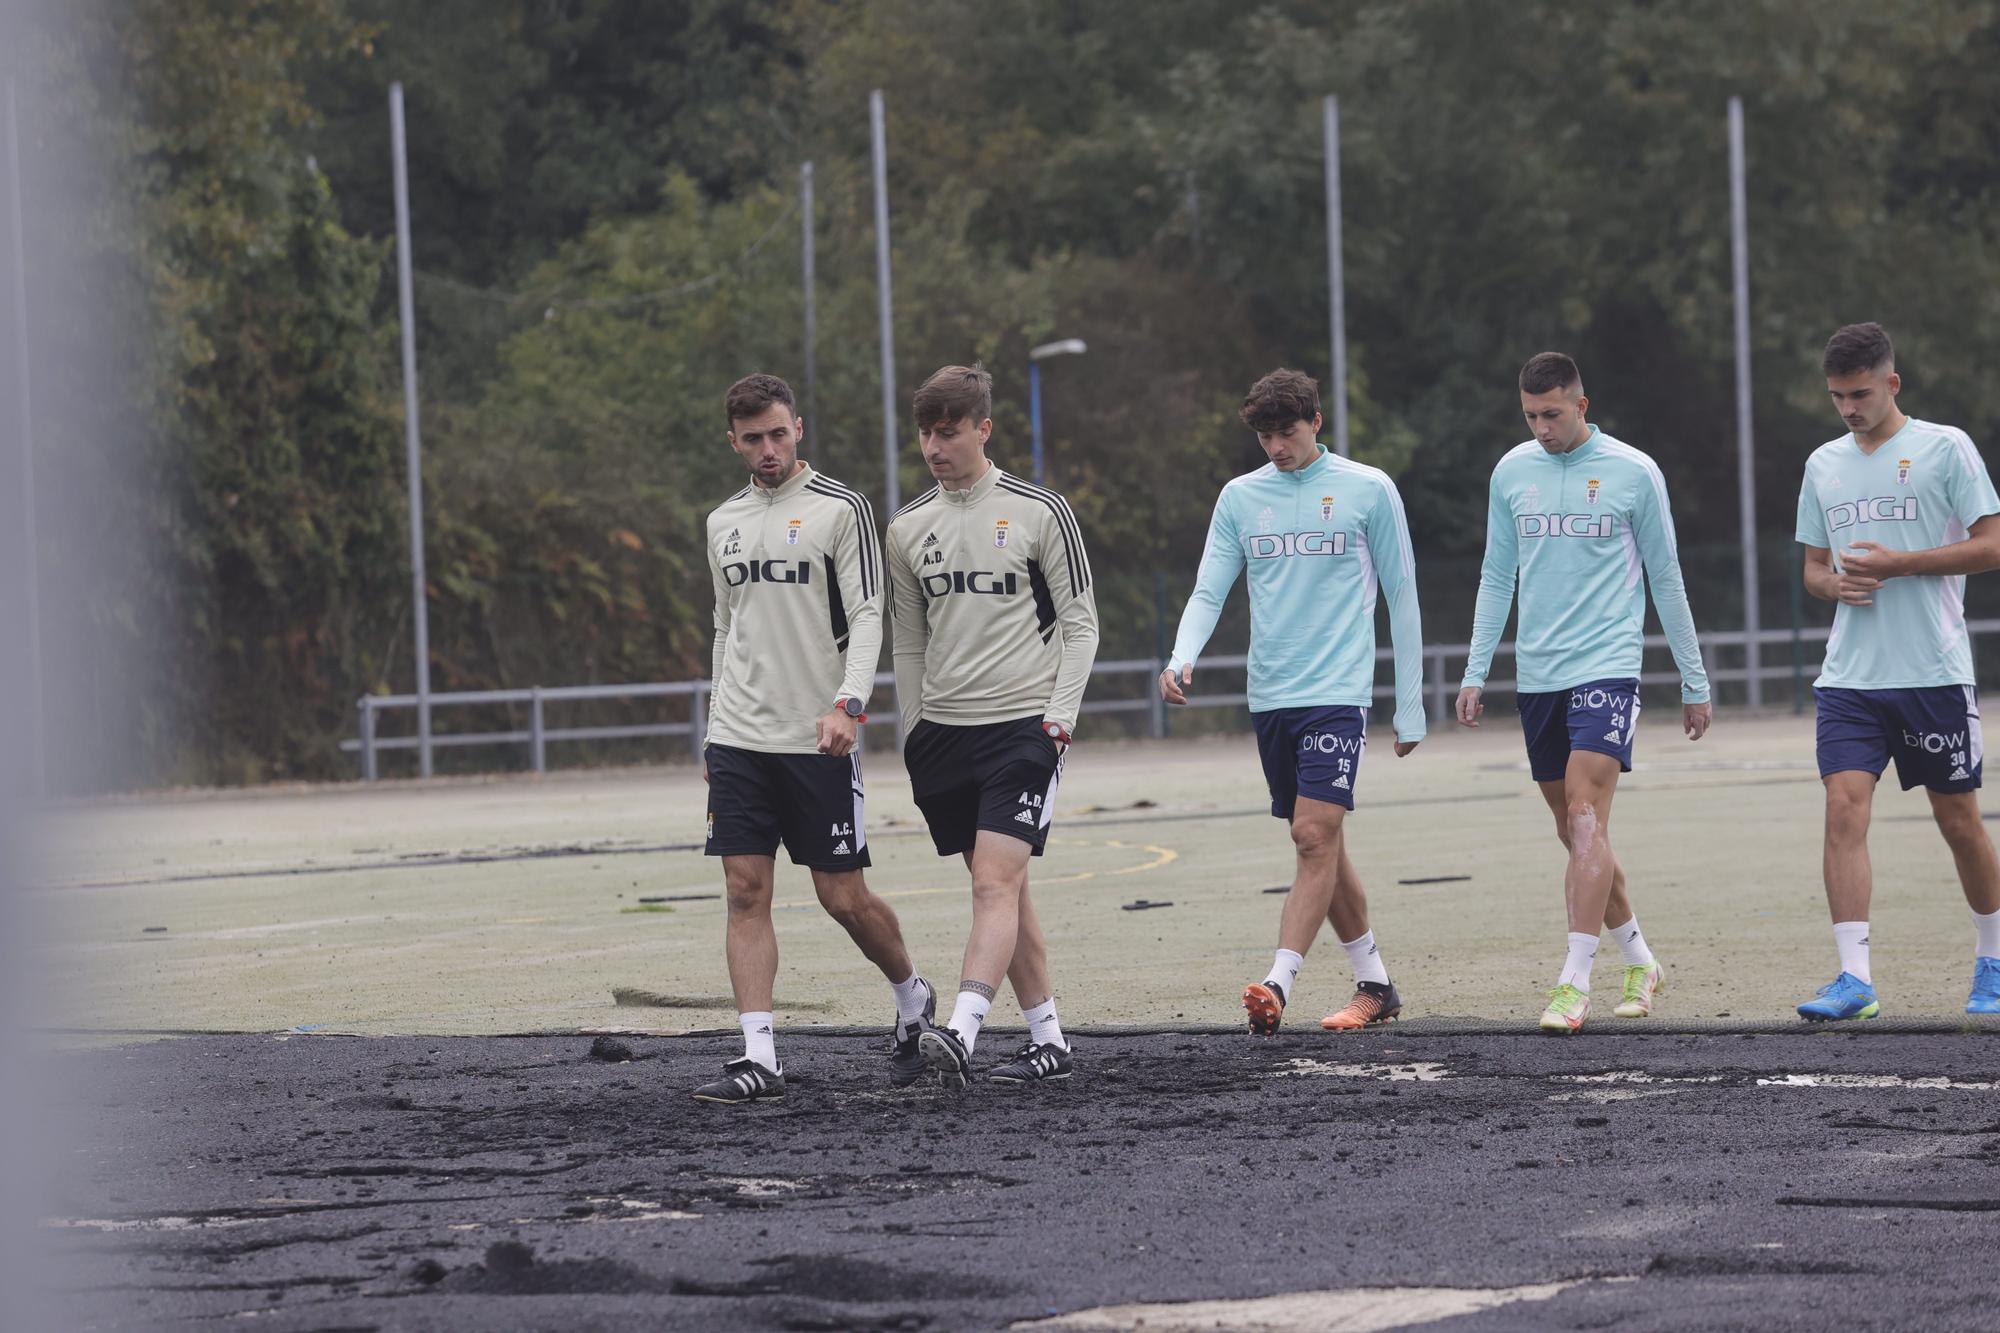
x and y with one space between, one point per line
1847 811
1958 819
1583 825
1316 836
844 896
747 891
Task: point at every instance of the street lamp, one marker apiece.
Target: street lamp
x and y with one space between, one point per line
1036 355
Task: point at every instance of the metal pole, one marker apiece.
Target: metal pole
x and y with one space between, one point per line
538 744
406 304
1746 453
1035 416
30 544
368 770
1336 279
892 491
806 264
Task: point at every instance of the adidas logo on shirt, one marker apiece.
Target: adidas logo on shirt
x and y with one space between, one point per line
930 540
1025 818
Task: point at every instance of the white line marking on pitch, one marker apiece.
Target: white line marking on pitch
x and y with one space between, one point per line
1356 1310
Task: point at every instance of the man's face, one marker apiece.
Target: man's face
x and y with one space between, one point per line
768 444
955 450
1556 418
1866 400
1294 447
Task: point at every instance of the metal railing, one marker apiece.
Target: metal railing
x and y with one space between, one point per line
1440 691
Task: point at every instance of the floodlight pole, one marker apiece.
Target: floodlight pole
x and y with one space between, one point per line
1746 454
1037 355
892 492
806 279
1336 278
412 442
37 724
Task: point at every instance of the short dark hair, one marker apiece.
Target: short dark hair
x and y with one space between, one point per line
1549 371
1279 399
953 393
754 395
1857 348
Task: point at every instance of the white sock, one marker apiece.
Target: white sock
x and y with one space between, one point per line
1366 958
1285 972
1576 967
758 1043
910 998
1988 927
968 1016
1043 1028
1851 938
1632 944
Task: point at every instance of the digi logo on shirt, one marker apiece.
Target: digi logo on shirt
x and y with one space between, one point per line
1272 546
1880 509
1566 525
767 571
978 580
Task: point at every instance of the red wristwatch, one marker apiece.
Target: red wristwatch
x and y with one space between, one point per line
851 707
1055 732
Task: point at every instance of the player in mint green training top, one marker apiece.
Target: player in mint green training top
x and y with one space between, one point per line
1893 516
1318 534
1579 517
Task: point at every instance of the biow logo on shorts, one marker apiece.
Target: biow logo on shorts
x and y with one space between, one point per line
1937 742
1326 742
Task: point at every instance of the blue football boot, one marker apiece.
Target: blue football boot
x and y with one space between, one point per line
1985 987
1846 996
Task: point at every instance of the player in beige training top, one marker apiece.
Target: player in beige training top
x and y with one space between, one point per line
798 631
995 630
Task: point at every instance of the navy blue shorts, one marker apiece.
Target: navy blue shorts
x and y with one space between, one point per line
1600 715
1932 734
1314 752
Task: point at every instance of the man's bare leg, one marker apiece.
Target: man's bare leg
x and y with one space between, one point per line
751 947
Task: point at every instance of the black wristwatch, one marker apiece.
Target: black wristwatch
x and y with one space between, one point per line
1054 731
851 707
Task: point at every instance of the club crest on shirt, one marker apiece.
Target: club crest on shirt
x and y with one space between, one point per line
1000 532
792 533
1590 492
1325 507
1902 472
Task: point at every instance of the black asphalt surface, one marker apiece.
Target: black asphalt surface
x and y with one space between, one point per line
425 1183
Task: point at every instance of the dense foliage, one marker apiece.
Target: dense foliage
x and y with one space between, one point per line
605 202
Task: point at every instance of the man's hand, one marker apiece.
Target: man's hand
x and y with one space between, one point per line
836 733
1872 561
1855 589
1404 747
1172 690
1469 707
1695 719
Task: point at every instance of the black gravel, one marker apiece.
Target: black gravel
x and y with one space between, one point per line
325 1182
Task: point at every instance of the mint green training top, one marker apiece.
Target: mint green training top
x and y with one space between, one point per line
1925 486
1317 542
1579 529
